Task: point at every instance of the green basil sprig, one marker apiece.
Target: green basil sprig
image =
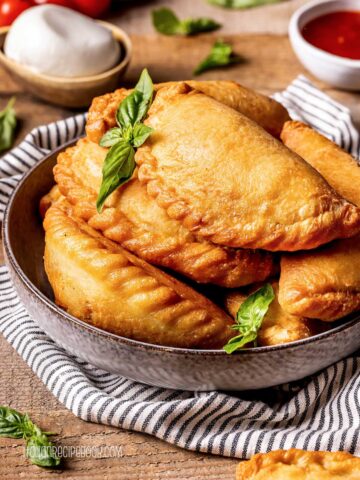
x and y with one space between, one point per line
39 449
242 3
7 125
221 55
250 317
119 164
166 22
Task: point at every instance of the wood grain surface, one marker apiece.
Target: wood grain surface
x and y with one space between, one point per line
269 65
271 19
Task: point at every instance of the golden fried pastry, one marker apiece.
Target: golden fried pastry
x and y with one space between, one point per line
277 326
323 284
338 167
297 464
133 219
96 280
233 183
265 111
47 200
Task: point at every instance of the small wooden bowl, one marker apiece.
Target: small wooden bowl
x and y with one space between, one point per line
69 92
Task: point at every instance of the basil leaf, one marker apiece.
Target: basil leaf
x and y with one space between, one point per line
146 87
29 427
7 126
135 106
166 22
220 55
140 133
192 26
237 342
242 3
11 423
119 165
250 317
111 137
40 451
128 112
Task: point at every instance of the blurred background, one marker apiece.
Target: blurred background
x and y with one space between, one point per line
135 16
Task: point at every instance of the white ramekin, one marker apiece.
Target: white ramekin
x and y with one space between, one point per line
337 71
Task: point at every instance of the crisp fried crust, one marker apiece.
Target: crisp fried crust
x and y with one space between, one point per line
338 167
278 326
47 200
101 115
265 111
133 219
96 280
297 464
235 185
323 284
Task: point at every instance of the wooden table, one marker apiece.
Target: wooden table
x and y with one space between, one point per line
269 65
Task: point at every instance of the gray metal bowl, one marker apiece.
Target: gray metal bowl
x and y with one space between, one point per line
177 368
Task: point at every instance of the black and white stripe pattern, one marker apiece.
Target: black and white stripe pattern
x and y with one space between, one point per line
308 104
321 413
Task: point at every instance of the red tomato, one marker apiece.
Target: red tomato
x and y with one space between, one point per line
63 3
93 8
10 9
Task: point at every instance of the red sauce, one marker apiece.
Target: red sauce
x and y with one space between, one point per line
337 33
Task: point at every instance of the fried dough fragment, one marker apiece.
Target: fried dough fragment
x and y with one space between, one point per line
278 326
133 219
325 283
229 181
296 464
47 200
99 282
263 110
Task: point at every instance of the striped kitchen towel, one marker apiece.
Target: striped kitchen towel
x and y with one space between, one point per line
322 412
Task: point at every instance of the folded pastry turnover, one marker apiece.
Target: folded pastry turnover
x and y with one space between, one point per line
278 326
99 282
135 220
235 185
324 283
265 111
297 464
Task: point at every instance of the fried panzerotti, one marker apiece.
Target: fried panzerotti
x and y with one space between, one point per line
338 167
96 280
265 111
297 464
323 284
133 219
278 326
229 181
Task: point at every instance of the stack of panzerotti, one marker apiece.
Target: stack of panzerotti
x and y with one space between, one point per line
188 183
